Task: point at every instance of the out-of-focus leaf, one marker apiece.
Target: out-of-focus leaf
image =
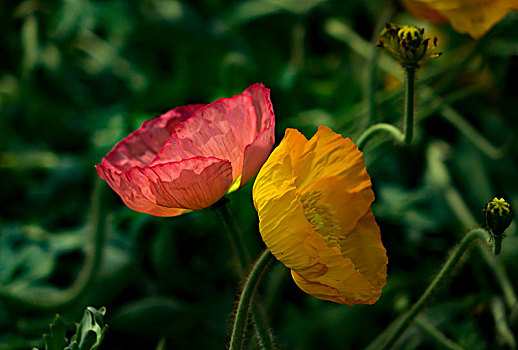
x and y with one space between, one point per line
30 44
153 316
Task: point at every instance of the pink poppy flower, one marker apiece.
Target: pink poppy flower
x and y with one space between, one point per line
190 157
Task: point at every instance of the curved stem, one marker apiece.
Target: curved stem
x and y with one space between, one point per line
396 134
40 301
409 104
236 240
252 281
442 181
444 274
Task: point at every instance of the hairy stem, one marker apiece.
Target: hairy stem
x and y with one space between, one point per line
252 281
236 240
445 274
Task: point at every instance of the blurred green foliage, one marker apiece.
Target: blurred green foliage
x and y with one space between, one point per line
76 76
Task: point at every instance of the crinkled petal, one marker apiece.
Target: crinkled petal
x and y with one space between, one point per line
141 147
222 130
328 154
334 168
262 105
282 223
256 154
364 247
346 207
173 188
342 282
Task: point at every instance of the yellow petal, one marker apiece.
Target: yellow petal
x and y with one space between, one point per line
313 200
363 246
474 17
342 282
328 154
282 223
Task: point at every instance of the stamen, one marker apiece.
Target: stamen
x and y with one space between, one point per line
321 217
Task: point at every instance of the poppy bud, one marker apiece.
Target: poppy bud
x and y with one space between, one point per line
498 215
407 44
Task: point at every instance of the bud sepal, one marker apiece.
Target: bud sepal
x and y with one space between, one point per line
407 44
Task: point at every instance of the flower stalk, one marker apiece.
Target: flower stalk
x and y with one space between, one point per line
253 280
236 241
409 104
446 272
408 134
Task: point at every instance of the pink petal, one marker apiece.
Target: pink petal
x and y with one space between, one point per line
263 106
256 153
141 147
170 189
221 129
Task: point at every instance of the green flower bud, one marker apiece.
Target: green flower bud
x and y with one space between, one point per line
498 215
407 44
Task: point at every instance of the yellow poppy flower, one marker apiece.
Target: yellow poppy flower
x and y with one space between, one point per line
313 200
474 17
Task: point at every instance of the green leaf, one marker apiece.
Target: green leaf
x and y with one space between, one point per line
57 339
89 332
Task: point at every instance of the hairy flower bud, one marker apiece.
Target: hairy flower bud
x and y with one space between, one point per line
498 215
407 44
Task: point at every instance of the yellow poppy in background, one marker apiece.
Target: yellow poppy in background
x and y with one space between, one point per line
313 200
474 17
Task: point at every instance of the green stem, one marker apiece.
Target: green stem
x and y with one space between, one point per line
263 329
370 131
236 240
409 104
432 331
501 326
234 235
45 301
442 181
445 274
252 281
472 134
399 137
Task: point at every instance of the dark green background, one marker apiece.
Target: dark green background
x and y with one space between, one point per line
76 76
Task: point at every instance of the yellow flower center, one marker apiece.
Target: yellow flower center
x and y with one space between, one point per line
498 204
321 217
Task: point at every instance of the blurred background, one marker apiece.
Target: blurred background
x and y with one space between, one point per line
76 76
